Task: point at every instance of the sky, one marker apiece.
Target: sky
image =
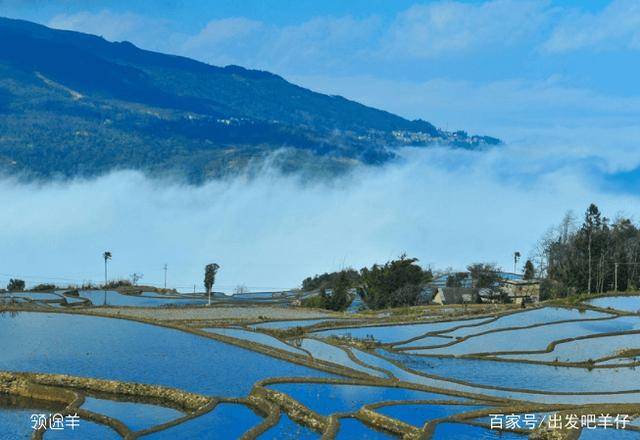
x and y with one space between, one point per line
556 80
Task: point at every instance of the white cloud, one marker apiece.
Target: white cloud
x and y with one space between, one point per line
446 207
311 44
226 41
449 27
615 27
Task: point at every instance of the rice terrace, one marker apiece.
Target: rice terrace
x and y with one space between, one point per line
258 366
277 220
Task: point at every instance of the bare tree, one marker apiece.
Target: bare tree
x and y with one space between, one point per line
240 289
135 277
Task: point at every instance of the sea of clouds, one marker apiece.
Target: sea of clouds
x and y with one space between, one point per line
447 207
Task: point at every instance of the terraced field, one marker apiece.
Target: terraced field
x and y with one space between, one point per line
166 367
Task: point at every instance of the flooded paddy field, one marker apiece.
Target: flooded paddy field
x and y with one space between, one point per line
137 370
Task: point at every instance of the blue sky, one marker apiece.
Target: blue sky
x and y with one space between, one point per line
557 80
419 59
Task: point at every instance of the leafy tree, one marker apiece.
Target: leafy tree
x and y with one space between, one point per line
337 298
210 271
529 270
15 285
396 283
328 280
484 275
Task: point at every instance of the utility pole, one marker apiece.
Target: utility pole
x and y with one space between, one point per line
165 275
615 277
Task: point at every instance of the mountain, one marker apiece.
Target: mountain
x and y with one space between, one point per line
73 104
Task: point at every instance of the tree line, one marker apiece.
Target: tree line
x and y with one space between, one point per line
594 256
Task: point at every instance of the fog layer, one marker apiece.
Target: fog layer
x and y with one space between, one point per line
446 207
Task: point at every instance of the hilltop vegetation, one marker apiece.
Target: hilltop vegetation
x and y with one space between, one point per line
73 104
397 283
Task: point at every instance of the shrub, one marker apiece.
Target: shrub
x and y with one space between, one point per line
44 287
15 285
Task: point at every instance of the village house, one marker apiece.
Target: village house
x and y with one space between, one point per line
455 295
520 291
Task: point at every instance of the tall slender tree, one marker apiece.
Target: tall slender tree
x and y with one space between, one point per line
107 256
210 271
529 270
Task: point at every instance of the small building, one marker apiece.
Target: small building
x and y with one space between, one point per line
521 290
426 295
455 295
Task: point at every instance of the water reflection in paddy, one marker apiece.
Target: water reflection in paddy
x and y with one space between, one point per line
460 431
351 428
15 423
327 399
396 333
606 434
86 430
257 337
537 338
225 421
113 298
330 353
136 416
585 349
418 414
522 375
134 352
530 317
15 415
286 429
284 325
624 303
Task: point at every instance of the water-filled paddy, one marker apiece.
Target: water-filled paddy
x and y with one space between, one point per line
257 337
623 303
225 421
419 413
460 431
86 430
327 399
284 325
15 416
396 333
407 376
585 349
530 317
135 352
15 424
330 353
136 416
606 434
536 338
351 428
35 296
517 375
286 429
113 298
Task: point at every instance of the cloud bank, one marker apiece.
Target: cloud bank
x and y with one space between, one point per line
446 207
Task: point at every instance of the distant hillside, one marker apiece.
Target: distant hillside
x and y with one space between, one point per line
73 104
